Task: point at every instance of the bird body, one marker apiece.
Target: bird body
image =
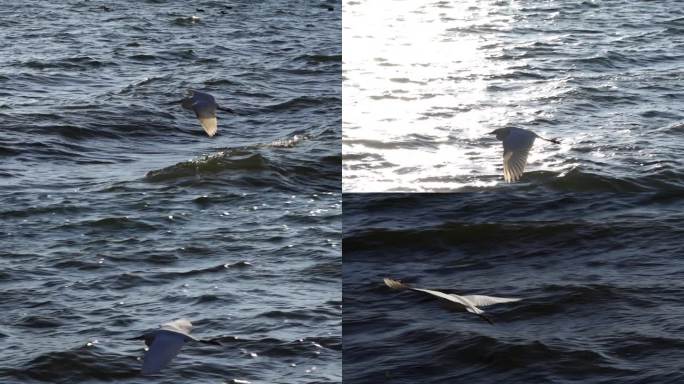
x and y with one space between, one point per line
517 143
204 105
165 343
469 303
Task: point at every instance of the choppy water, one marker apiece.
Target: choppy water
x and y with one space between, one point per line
601 278
424 82
117 213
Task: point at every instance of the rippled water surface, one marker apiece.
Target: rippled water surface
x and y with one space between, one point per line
424 82
600 278
117 212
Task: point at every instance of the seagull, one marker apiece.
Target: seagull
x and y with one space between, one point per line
165 343
204 106
517 143
470 303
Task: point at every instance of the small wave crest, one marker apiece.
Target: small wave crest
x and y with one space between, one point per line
235 159
271 164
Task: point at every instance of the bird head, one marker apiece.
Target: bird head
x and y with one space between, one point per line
500 133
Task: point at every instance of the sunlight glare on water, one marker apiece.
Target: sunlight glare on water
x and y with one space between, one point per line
424 84
411 70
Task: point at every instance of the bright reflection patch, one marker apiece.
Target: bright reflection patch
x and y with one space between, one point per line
422 87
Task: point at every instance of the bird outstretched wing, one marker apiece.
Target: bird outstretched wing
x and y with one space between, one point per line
164 348
180 326
469 302
517 146
483 301
453 298
204 106
395 284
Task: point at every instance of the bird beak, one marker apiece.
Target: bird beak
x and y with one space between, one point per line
224 109
492 133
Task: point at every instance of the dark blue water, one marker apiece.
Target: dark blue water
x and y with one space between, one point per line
600 276
117 212
426 81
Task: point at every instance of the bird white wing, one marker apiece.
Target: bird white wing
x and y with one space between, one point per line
210 124
474 310
470 307
164 348
206 114
483 301
204 106
516 149
453 298
180 325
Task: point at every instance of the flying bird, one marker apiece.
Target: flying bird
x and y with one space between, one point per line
517 143
470 303
165 343
204 106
